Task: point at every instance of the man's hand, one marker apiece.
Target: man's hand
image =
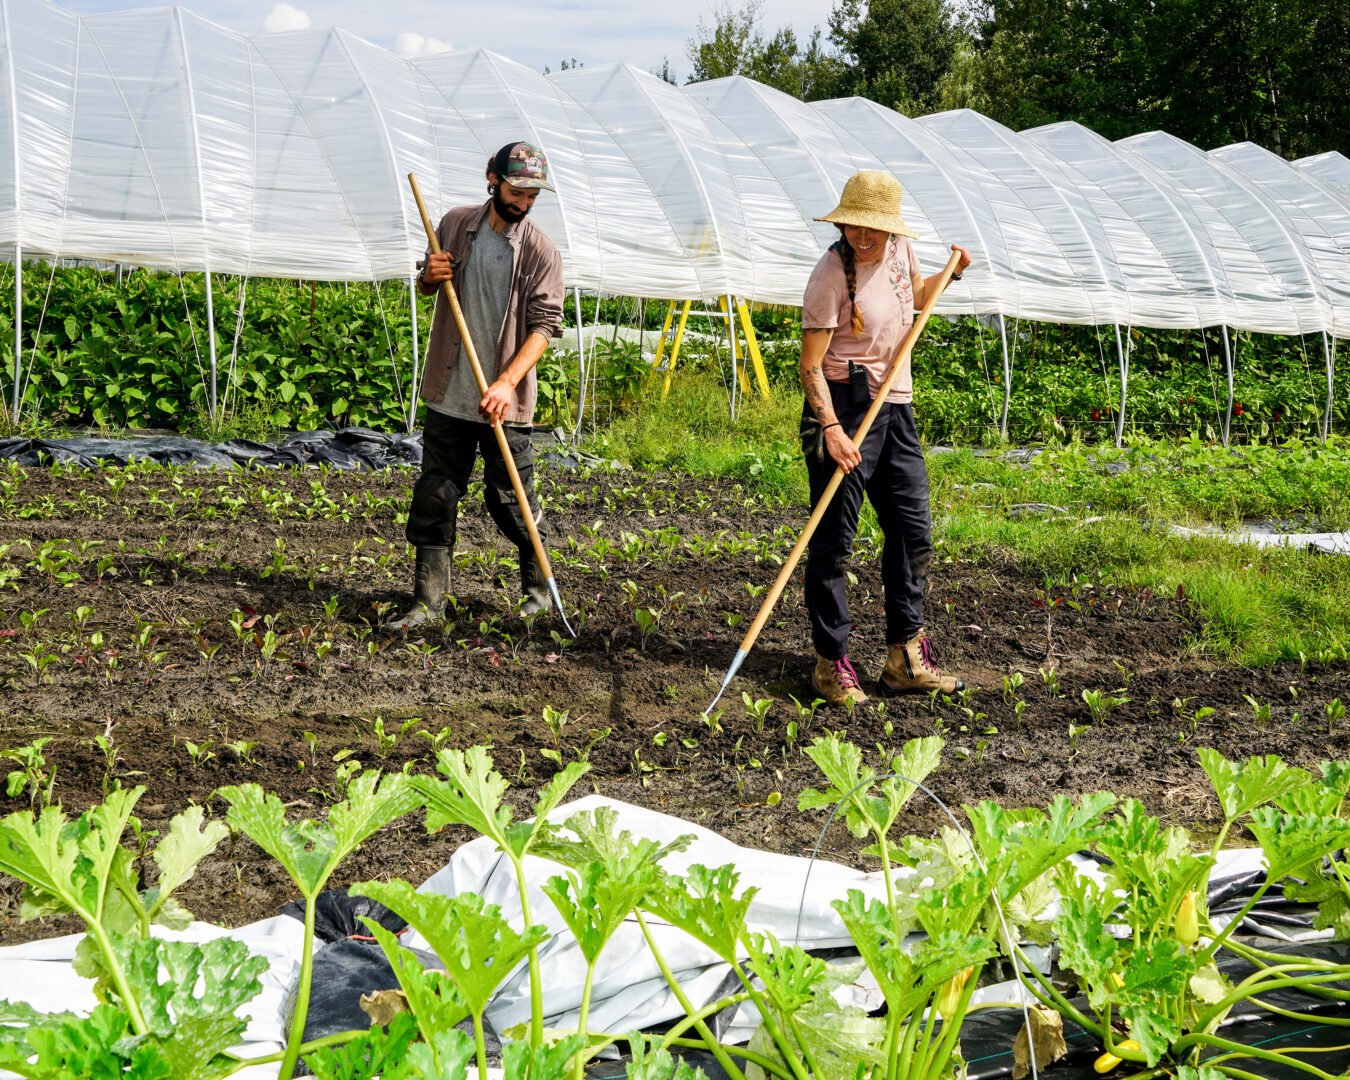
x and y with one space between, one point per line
437 269
498 400
841 448
964 263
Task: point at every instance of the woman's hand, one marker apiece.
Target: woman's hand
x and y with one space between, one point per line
841 448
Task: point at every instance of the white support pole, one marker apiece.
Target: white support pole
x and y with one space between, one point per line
1330 353
211 343
581 359
18 328
412 383
1124 378
1228 364
1007 377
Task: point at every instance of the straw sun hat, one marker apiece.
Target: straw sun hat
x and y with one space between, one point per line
871 199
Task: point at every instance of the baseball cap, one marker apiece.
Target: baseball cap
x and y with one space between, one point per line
521 165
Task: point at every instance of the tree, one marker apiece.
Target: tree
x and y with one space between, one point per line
732 44
896 52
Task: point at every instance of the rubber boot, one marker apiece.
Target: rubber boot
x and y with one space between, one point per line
913 667
431 581
837 682
533 584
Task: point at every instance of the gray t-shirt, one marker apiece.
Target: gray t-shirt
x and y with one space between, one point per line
484 288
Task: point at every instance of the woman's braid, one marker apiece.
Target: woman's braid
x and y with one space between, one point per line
851 277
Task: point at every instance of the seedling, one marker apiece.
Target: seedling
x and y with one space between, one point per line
312 742
1011 684
242 751
556 719
806 713
647 620
1261 710
1100 704
1050 677
758 709
1335 711
31 774
387 740
200 753
713 720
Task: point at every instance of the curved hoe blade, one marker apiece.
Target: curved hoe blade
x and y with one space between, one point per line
736 662
553 588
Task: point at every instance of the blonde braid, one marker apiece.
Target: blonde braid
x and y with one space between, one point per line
845 250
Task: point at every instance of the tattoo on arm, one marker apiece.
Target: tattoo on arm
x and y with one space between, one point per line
818 394
814 386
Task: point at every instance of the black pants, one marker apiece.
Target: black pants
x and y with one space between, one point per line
895 479
449 447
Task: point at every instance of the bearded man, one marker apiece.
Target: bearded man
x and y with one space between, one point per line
508 278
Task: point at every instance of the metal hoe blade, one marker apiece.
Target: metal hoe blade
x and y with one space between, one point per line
553 588
736 662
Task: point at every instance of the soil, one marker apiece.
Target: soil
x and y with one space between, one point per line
159 563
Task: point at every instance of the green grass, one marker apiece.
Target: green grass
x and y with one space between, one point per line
1258 606
692 432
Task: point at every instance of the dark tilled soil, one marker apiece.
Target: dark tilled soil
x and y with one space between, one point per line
159 565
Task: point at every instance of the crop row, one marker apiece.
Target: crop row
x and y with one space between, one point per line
1139 944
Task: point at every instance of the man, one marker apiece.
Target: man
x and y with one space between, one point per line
508 278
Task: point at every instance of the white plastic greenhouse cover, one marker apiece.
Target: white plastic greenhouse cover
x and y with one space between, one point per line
157 138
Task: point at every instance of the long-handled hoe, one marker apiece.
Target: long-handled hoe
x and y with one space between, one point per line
497 429
766 608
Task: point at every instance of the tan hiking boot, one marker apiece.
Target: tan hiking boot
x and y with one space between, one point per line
913 666
837 682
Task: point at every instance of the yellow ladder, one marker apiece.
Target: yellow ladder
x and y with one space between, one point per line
676 338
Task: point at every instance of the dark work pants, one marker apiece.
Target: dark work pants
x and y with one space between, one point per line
449 447
895 479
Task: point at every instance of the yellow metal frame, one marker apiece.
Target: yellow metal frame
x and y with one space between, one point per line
747 333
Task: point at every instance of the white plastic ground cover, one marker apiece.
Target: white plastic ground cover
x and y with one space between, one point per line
155 137
1331 543
628 991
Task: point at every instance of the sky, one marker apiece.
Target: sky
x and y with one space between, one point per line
532 32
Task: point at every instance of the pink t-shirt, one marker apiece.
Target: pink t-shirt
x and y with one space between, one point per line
884 295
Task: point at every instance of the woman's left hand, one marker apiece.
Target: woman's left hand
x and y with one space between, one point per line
965 258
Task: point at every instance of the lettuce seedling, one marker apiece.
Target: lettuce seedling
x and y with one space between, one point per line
311 850
471 794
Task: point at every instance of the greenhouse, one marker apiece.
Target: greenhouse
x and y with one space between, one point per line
156 138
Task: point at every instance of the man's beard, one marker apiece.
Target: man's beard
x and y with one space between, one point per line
507 213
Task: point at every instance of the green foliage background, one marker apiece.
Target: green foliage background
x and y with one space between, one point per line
323 355
1208 71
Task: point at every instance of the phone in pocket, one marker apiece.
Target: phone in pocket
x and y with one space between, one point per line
857 380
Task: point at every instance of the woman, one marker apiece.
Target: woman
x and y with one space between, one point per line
859 305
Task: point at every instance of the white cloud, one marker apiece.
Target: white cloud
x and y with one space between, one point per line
285 17
410 45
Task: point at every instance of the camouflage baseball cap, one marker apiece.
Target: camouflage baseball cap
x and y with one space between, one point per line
521 165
